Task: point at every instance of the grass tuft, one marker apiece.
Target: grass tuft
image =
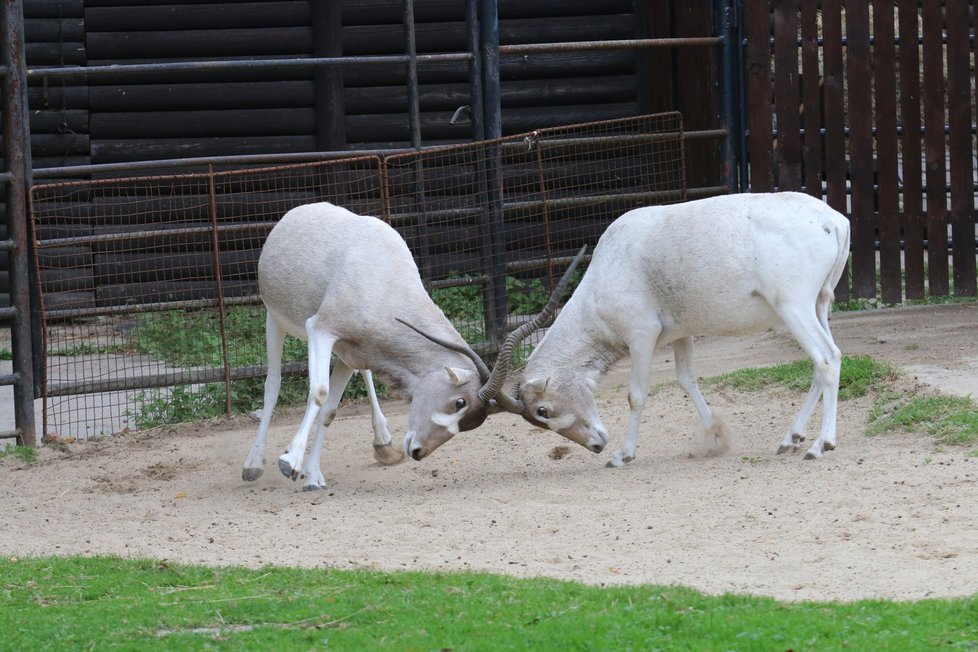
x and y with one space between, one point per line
859 375
23 453
951 419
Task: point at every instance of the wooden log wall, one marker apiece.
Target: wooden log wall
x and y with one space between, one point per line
185 114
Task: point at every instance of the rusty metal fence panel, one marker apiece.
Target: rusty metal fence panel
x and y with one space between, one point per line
148 285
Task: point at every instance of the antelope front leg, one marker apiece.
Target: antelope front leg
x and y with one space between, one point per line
640 352
384 452
320 350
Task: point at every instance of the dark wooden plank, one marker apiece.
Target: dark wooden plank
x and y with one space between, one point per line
124 268
786 98
54 9
935 147
884 58
365 12
696 93
835 143
861 163
760 143
196 96
199 43
960 148
655 90
165 292
203 124
56 96
185 17
330 108
55 54
54 29
811 101
910 144
115 151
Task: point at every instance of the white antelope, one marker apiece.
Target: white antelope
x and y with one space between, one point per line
729 265
341 282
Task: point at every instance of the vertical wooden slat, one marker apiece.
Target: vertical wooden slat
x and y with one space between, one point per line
934 148
758 30
655 89
913 206
886 150
696 93
327 25
959 147
811 99
835 138
860 107
786 100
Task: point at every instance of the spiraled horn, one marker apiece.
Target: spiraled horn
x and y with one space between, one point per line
452 346
493 386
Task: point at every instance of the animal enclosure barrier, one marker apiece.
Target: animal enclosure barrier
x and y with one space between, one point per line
149 300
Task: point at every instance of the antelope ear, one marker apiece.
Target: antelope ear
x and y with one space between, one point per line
459 376
538 385
591 383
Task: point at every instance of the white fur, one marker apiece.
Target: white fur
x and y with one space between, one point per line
728 265
338 281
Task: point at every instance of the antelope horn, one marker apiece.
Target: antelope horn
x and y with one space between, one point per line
453 346
492 388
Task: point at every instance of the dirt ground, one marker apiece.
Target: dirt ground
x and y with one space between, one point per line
892 516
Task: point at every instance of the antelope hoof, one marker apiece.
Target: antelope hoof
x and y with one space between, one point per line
314 487
784 449
811 456
250 475
388 455
618 460
828 447
287 470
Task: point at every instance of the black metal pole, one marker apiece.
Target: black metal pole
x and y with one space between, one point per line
411 50
725 20
16 153
475 69
496 228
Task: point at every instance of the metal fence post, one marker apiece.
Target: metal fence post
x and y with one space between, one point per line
727 26
496 229
16 146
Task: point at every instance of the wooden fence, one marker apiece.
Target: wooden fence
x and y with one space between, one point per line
871 104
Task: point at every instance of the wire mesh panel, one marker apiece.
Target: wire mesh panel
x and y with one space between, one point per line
494 223
148 288
148 285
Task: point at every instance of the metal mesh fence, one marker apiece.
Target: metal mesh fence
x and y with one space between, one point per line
148 289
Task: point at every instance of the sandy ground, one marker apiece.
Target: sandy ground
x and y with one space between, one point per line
892 516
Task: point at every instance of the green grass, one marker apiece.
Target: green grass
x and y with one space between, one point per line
951 419
191 338
100 603
874 303
23 453
5 354
92 349
859 375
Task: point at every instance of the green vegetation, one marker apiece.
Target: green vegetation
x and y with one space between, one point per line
92 603
5 354
951 419
192 338
23 453
859 375
92 349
